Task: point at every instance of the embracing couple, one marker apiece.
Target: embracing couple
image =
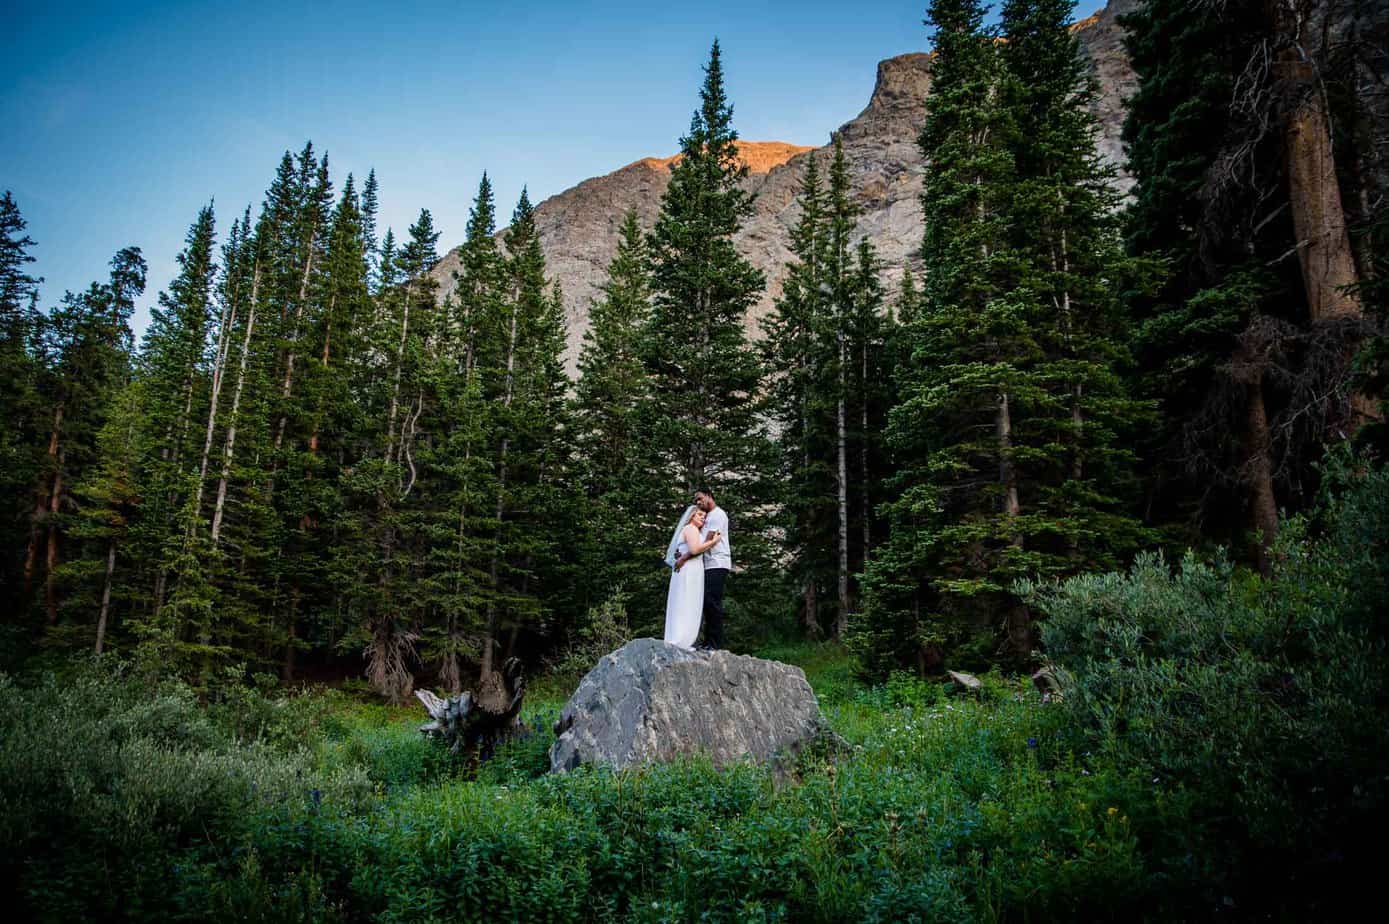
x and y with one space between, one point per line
699 555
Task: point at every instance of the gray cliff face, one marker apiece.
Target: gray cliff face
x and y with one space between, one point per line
650 701
579 227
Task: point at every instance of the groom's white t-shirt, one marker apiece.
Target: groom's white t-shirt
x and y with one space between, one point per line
719 556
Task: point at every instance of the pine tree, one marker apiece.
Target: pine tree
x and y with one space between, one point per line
870 336
838 288
1246 342
369 207
526 382
384 482
1012 418
107 520
702 424
89 341
704 374
612 389
954 499
795 359
21 405
458 528
172 370
1066 231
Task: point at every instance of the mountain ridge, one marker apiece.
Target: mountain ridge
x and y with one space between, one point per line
579 226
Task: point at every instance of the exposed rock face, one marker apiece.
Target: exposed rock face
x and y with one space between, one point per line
579 227
650 701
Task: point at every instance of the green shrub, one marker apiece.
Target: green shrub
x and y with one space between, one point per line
1262 701
105 782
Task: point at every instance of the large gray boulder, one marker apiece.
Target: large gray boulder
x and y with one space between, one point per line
650 701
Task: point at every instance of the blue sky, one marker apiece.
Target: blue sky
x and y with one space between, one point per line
121 120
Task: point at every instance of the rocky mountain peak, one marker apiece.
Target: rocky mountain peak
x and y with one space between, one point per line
758 156
579 227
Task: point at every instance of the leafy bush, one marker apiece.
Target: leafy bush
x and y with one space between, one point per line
604 629
105 782
1263 701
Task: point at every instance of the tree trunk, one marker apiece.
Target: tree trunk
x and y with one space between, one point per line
399 364
219 369
1259 472
1319 220
105 597
490 641
287 664
863 448
50 586
1003 423
842 619
229 444
1018 622
286 386
42 502
810 603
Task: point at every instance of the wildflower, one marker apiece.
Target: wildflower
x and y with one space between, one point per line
1112 811
1032 742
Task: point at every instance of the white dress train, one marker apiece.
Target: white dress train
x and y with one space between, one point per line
685 600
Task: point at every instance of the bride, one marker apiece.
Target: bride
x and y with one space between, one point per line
685 599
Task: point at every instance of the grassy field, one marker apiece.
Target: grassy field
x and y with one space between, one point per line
323 807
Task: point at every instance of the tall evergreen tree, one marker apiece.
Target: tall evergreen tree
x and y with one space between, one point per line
1072 269
1247 342
704 374
526 382
870 337
612 389
89 340
459 527
173 375
794 355
955 498
369 206
21 405
1011 416
703 424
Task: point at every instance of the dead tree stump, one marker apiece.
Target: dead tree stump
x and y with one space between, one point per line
475 722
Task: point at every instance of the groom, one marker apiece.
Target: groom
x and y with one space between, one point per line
717 563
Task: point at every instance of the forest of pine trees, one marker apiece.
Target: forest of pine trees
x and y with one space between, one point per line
317 461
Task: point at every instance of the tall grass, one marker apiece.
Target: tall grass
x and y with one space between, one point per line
120 800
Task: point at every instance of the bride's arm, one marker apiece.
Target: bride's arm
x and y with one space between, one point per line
697 545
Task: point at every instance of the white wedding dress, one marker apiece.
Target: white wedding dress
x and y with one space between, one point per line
685 600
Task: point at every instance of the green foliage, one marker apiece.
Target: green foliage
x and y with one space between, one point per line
952 808
611 401
1010 426
604 629
1262 701
108 782
700 426
823 350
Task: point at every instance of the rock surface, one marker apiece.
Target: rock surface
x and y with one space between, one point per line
650 701
579 227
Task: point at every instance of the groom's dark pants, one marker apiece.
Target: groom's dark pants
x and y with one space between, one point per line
713 606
